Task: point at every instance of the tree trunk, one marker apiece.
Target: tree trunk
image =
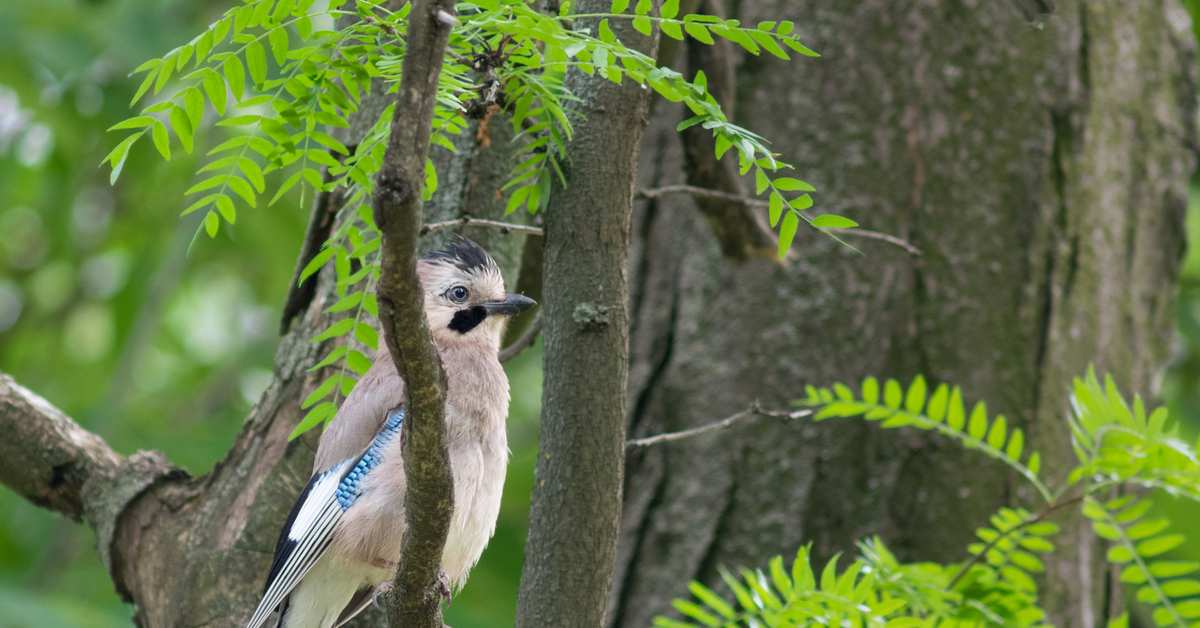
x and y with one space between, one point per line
576 503
1042 172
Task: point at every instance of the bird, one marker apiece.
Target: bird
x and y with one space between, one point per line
340 545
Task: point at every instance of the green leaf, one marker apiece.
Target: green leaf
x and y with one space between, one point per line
712 600
236 75
318 261
278 38
211 223
798 47
1035 463
358 362
775 207
698 32
760 180
1106 531
256 61
977 424
998 433
1180 588
214 86
768 43
1036 544
164 73
787 232
892 396
160 140
801 203
333 356
313 418
937 403
1172 568
183 127
1147 529
672 30
337 329
835 222
793 185
619 6
606 34
243 189
1119 554
287 185
642 25
670 9
1154 547
367 335
870 390
915 400
193 104
225 206
954 416
132 123
518 196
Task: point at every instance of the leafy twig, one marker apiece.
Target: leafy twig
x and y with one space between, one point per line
1032 520
753 410
703 192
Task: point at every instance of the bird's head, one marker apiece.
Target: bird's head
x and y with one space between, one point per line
465 300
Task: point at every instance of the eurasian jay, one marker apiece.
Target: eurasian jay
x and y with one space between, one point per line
341 541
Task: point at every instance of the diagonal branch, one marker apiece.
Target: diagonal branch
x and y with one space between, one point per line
398 212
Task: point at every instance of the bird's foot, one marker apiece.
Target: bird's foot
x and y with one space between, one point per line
444 586
381 591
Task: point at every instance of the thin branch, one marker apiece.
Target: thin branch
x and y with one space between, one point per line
525 341
706 193
754 410
428 499
478 222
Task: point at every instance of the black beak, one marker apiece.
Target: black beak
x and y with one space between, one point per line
512 305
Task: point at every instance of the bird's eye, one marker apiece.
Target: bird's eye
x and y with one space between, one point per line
457 294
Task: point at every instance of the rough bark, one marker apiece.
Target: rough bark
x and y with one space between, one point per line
577 483
1043 173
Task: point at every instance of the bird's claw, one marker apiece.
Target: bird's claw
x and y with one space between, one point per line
444 586
380 591
386 587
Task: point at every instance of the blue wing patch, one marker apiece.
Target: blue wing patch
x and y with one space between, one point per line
313 519
348 490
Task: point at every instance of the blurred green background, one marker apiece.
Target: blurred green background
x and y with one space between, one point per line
110 311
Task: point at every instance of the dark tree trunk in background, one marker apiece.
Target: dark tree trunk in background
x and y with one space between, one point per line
1043 173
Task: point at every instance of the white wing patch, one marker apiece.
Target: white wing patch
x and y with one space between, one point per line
316 515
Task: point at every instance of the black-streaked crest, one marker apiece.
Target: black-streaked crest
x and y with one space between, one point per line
465 255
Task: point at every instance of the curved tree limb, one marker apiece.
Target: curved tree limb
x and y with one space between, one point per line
398 212
46 457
